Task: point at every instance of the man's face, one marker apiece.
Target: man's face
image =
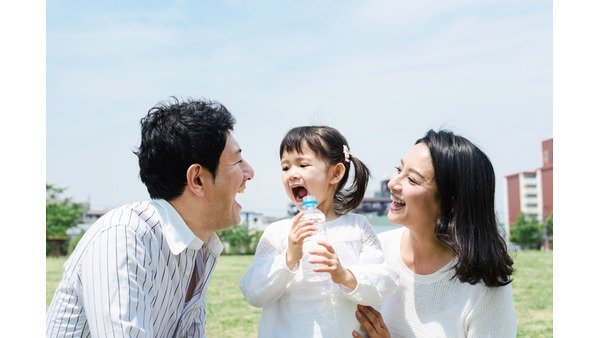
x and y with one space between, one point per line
231 177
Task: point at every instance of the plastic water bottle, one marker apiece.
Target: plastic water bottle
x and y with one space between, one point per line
309 204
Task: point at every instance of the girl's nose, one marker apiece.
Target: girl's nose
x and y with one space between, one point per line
293 174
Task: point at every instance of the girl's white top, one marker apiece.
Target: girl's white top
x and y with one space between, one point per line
438 305
293 307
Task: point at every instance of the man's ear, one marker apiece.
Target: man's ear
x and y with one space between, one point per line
336 173
196 179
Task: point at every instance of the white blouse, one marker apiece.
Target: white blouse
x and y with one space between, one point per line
293 307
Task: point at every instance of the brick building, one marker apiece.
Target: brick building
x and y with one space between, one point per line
531 192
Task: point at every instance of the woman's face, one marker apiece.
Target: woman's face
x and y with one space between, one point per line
415 203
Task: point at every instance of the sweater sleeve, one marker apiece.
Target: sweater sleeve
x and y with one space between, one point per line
266 279
376 279
493 314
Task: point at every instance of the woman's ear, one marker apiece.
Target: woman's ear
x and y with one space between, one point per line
336 173
195 179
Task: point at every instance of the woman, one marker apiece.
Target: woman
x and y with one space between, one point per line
455 271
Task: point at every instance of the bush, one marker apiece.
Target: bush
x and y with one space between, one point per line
528 234
239 240
73 242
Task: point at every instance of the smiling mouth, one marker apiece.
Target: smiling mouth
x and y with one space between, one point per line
397 201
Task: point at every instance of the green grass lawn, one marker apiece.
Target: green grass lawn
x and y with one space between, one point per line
532 293
229 315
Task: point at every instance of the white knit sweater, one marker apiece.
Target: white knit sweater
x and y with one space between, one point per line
437 306
293 307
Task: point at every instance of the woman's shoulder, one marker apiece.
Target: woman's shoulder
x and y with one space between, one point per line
391 236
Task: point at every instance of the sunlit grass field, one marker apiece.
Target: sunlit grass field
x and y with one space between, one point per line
229 315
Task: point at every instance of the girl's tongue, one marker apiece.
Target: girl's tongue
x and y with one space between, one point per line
300 192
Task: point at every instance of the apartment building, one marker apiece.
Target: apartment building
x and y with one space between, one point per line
531 192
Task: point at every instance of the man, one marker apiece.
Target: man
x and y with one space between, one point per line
142 269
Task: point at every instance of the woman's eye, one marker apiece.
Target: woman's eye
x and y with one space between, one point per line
398 169
411 180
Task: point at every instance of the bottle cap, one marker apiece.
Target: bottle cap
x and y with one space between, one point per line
309 199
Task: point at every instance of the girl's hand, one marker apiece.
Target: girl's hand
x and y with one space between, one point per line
331 263
298 232
372 322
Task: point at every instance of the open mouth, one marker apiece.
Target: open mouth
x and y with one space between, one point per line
299 192
396 203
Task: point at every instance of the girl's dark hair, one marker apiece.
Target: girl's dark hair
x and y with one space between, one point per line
467 223
328 144
176 135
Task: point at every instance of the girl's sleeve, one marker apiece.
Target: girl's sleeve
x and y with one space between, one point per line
376 279
267 277
493 314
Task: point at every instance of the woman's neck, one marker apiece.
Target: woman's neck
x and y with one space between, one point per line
424 254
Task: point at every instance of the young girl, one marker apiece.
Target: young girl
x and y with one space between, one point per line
315 160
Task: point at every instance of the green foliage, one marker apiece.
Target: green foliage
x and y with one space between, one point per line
61 214
239 240
528 234
550 228
73 242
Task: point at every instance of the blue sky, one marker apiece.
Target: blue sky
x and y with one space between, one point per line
382 72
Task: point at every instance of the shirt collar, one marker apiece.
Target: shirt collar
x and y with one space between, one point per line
178 234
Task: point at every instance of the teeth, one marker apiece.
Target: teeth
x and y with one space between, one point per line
241 191
397 200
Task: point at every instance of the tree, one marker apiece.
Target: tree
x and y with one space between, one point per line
528 234
61 214
549 229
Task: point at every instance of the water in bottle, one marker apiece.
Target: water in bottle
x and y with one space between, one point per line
309 204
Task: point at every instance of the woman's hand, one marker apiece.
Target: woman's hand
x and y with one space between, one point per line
298 232
330 263
372 322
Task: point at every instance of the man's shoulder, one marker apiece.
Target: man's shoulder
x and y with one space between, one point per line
139 215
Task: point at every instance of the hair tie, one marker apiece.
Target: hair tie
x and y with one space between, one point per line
346 154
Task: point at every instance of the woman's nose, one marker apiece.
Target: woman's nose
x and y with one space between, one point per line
394 183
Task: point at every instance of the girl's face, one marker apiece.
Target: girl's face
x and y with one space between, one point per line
415 203
306 174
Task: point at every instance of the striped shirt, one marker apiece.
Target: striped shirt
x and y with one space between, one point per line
129 277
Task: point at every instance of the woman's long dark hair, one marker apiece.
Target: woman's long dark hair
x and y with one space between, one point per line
467 222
